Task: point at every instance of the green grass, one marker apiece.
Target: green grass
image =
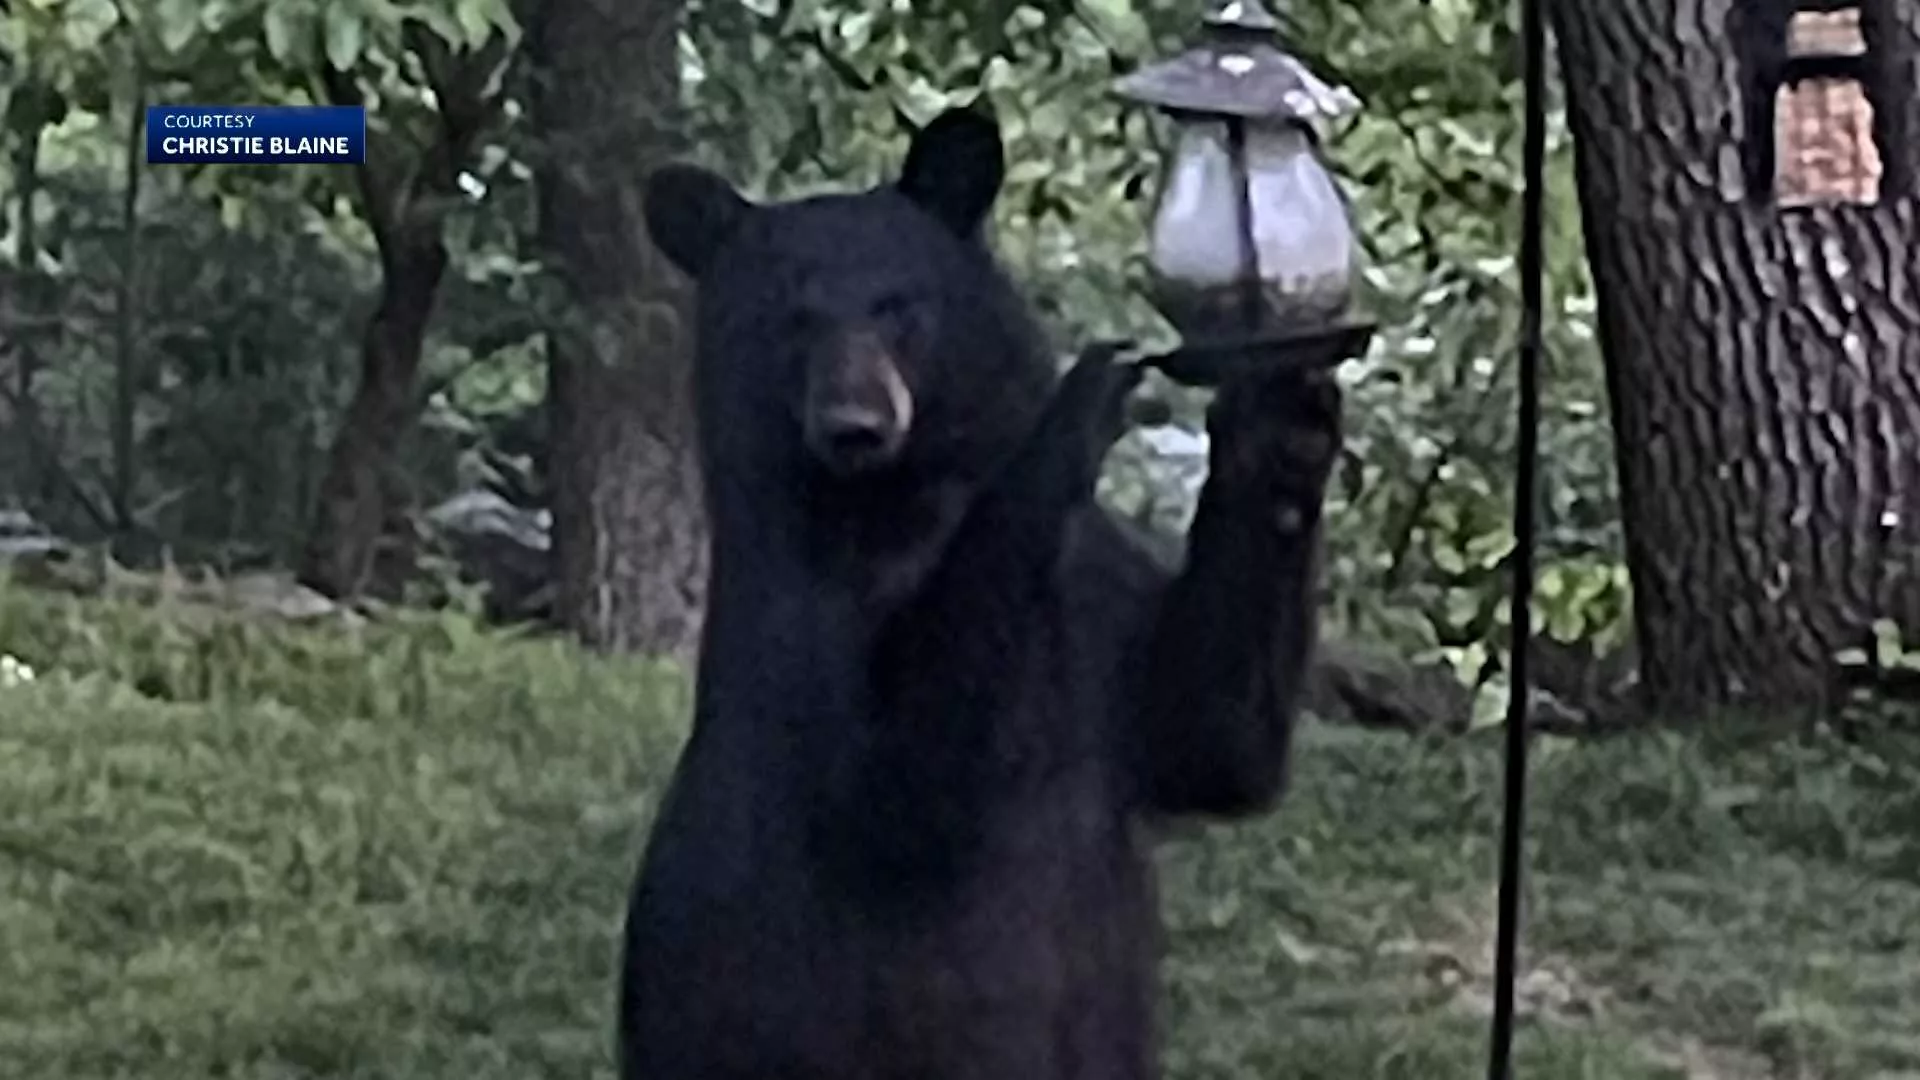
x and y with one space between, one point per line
235 849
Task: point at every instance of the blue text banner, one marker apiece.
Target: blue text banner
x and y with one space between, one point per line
256 134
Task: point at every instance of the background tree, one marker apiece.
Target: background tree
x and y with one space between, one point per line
248 281
1764 360
407 187
629 536
258 287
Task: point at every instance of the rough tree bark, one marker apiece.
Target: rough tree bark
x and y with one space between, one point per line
1763 365
629 533
31 311
126 323
1892 32
405 194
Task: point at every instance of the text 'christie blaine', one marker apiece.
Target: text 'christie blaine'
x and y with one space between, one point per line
270 145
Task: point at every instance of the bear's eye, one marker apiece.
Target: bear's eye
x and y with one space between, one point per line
891 307
905 320
803 324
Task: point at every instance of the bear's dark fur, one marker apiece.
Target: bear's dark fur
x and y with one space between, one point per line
940 689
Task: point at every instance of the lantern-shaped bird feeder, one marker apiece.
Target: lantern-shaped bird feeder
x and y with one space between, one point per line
1252 252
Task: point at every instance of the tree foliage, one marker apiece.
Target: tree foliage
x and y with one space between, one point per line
790 96
1432 163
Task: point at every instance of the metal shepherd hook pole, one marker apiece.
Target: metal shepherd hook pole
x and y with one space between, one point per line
1525 491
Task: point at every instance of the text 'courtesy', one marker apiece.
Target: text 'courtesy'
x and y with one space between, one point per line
256 134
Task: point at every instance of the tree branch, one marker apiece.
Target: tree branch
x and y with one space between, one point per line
395 186
459 82
50 460
381 176
126 381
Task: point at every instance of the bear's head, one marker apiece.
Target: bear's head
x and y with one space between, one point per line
857 338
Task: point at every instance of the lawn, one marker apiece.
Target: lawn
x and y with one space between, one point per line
230 848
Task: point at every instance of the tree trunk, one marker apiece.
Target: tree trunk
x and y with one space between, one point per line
126 322
629 533
1892 32
363 465
33 479
1763 365
406 193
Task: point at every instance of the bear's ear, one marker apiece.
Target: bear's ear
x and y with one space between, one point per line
691 213
954 168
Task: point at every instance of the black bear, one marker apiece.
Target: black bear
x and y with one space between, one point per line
940 689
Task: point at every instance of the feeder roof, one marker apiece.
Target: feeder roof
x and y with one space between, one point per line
1238 70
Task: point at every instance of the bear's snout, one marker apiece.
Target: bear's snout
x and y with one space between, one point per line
859 408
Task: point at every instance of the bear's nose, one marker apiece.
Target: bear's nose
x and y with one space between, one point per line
851 437
858 406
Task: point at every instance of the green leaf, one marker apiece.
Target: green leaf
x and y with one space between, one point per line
176 23
1565 624
213 14
87 22
13 37
476 21
439 20
345 35
501 14
1117 24
281 21
1887 648
1050 121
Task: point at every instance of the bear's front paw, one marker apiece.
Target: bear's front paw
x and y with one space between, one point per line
1275 439
1087 415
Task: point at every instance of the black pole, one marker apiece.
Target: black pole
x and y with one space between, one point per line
1525 484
